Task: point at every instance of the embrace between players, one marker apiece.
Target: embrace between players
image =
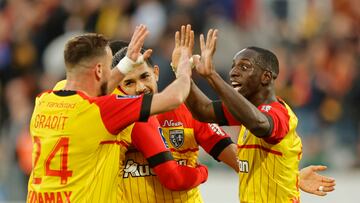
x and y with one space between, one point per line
87 147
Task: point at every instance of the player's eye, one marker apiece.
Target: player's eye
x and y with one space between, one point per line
145 76
129 84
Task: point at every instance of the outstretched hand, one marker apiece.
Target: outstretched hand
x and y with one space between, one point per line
313 183
184 43
137 42
204 65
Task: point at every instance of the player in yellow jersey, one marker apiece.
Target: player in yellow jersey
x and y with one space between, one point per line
71 128
183 135
269 149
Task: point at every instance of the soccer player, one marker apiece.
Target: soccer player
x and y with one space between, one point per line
72 128
182 134
269 149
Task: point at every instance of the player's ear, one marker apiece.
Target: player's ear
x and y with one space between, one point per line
266 78
156 72
98 71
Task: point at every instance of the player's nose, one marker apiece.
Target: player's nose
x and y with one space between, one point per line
140 88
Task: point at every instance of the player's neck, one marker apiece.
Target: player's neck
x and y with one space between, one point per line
82 82
263 97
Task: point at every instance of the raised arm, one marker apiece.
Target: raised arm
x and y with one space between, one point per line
197 102
244 111
175 94
200 105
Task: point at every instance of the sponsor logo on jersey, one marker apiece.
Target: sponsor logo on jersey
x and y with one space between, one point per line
266 108
215 127
127 96
176 137
135 169
243 166
171 123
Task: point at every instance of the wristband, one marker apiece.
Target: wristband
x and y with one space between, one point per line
126 64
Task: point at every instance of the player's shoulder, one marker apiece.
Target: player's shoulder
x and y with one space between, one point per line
278 105
43 93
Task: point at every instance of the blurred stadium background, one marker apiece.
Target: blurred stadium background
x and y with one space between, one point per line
316 41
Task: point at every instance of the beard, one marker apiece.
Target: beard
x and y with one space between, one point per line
104 89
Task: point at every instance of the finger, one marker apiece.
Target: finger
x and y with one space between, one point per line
318 168
208 37
177 39
328 184
187 35
319 193
133 36
328 189
147 54
327 179
182 35
202 43
191 43
214 38
139 30
214 41
196 60
140 41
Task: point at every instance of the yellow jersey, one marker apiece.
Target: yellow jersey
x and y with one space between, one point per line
183 135
269 167
75 147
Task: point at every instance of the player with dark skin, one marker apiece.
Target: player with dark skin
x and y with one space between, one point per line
252 84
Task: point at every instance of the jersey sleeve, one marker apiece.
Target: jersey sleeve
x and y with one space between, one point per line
117 111
223 115
280 118
211 138
148 139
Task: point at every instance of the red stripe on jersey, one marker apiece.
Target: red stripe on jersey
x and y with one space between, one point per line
256 146
117 142
47 91
184 150
121 90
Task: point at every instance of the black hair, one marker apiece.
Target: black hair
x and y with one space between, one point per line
267 60
122 53
116 45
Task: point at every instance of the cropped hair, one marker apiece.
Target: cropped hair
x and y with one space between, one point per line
83 47
267 60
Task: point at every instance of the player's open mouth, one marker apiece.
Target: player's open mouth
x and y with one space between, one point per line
237 86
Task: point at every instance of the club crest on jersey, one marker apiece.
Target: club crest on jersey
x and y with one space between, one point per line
176 137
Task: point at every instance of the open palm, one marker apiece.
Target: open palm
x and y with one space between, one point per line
205 66
310 181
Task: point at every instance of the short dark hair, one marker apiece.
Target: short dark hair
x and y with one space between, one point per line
267 60
84 47
122 53
116 45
